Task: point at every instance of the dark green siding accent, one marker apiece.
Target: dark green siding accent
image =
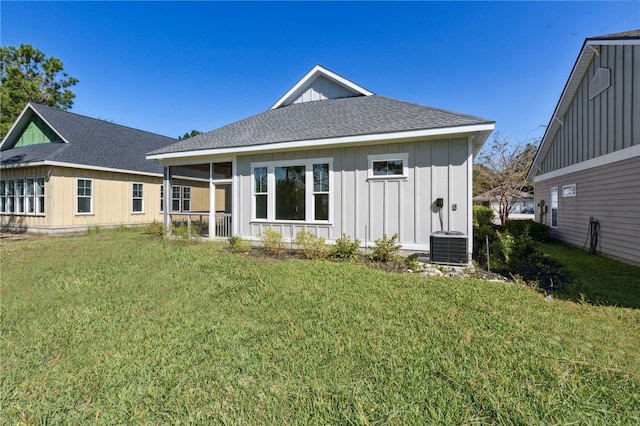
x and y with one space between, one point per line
36 132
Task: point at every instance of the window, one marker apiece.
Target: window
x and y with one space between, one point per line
40 195
84 196
20 195
161 198
321 191
386 166
3 196
180 198
29 196
297 190
11 192
260 191
175 198
137 198
290 193
554 207
186 199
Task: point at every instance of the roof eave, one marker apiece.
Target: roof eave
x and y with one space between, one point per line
481 129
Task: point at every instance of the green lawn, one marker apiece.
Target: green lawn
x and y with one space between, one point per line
119 328
597 279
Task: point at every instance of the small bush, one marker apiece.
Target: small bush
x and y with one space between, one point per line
313 247
181 230
537 231
272 241
482 216
155 229
238 245
385 248
345 248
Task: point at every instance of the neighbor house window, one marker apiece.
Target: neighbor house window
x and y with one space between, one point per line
84 196
40 195
186 199
11 192
175 198
137 198
30 204
180 198
388 166
20 195
3 196
297 190
554 207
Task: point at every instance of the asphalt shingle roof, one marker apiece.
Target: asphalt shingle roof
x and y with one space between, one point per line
92 142
331 118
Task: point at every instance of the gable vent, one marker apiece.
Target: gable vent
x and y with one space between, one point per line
600 81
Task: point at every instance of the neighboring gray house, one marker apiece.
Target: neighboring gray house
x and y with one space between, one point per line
587 169
333 158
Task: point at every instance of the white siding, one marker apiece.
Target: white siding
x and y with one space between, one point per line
322 88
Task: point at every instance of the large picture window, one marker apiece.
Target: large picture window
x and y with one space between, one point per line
84 196
137 198
298 190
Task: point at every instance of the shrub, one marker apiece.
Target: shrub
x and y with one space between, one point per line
537 231
503 247
482 216
181 230
385 248
155 229
272 241
313 247
238 245
483 227
345 248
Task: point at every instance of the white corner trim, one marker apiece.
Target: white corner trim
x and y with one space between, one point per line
316 143
603 160
315 72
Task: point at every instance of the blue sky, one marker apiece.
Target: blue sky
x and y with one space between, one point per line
170 67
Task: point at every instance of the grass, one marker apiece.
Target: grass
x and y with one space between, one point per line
597 279
119 327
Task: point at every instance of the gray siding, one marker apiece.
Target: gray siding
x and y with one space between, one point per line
367 209
323 88
610 193
610 121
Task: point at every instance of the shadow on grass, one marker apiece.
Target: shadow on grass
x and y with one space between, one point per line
595 279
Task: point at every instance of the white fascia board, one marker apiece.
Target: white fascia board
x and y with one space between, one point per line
312 75
603 160
316 143
618 42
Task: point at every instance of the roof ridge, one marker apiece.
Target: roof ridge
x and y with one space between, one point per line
99 120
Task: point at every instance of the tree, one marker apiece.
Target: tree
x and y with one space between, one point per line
28 75
189 135
503 168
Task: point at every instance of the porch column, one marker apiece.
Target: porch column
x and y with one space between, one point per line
212 203
166 218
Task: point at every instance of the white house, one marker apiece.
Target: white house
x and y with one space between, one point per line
333 158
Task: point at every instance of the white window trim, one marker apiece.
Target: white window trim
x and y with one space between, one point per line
181 198
90 212
309 193
133 198
402 156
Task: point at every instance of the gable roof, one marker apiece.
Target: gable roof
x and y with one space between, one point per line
588 51
331 121
84 141
319 73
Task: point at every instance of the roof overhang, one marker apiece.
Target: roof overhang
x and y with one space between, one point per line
480 133
590 48
14 132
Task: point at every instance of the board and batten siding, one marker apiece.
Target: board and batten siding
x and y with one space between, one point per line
366 209
609 121
322 88
28 221
611 195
